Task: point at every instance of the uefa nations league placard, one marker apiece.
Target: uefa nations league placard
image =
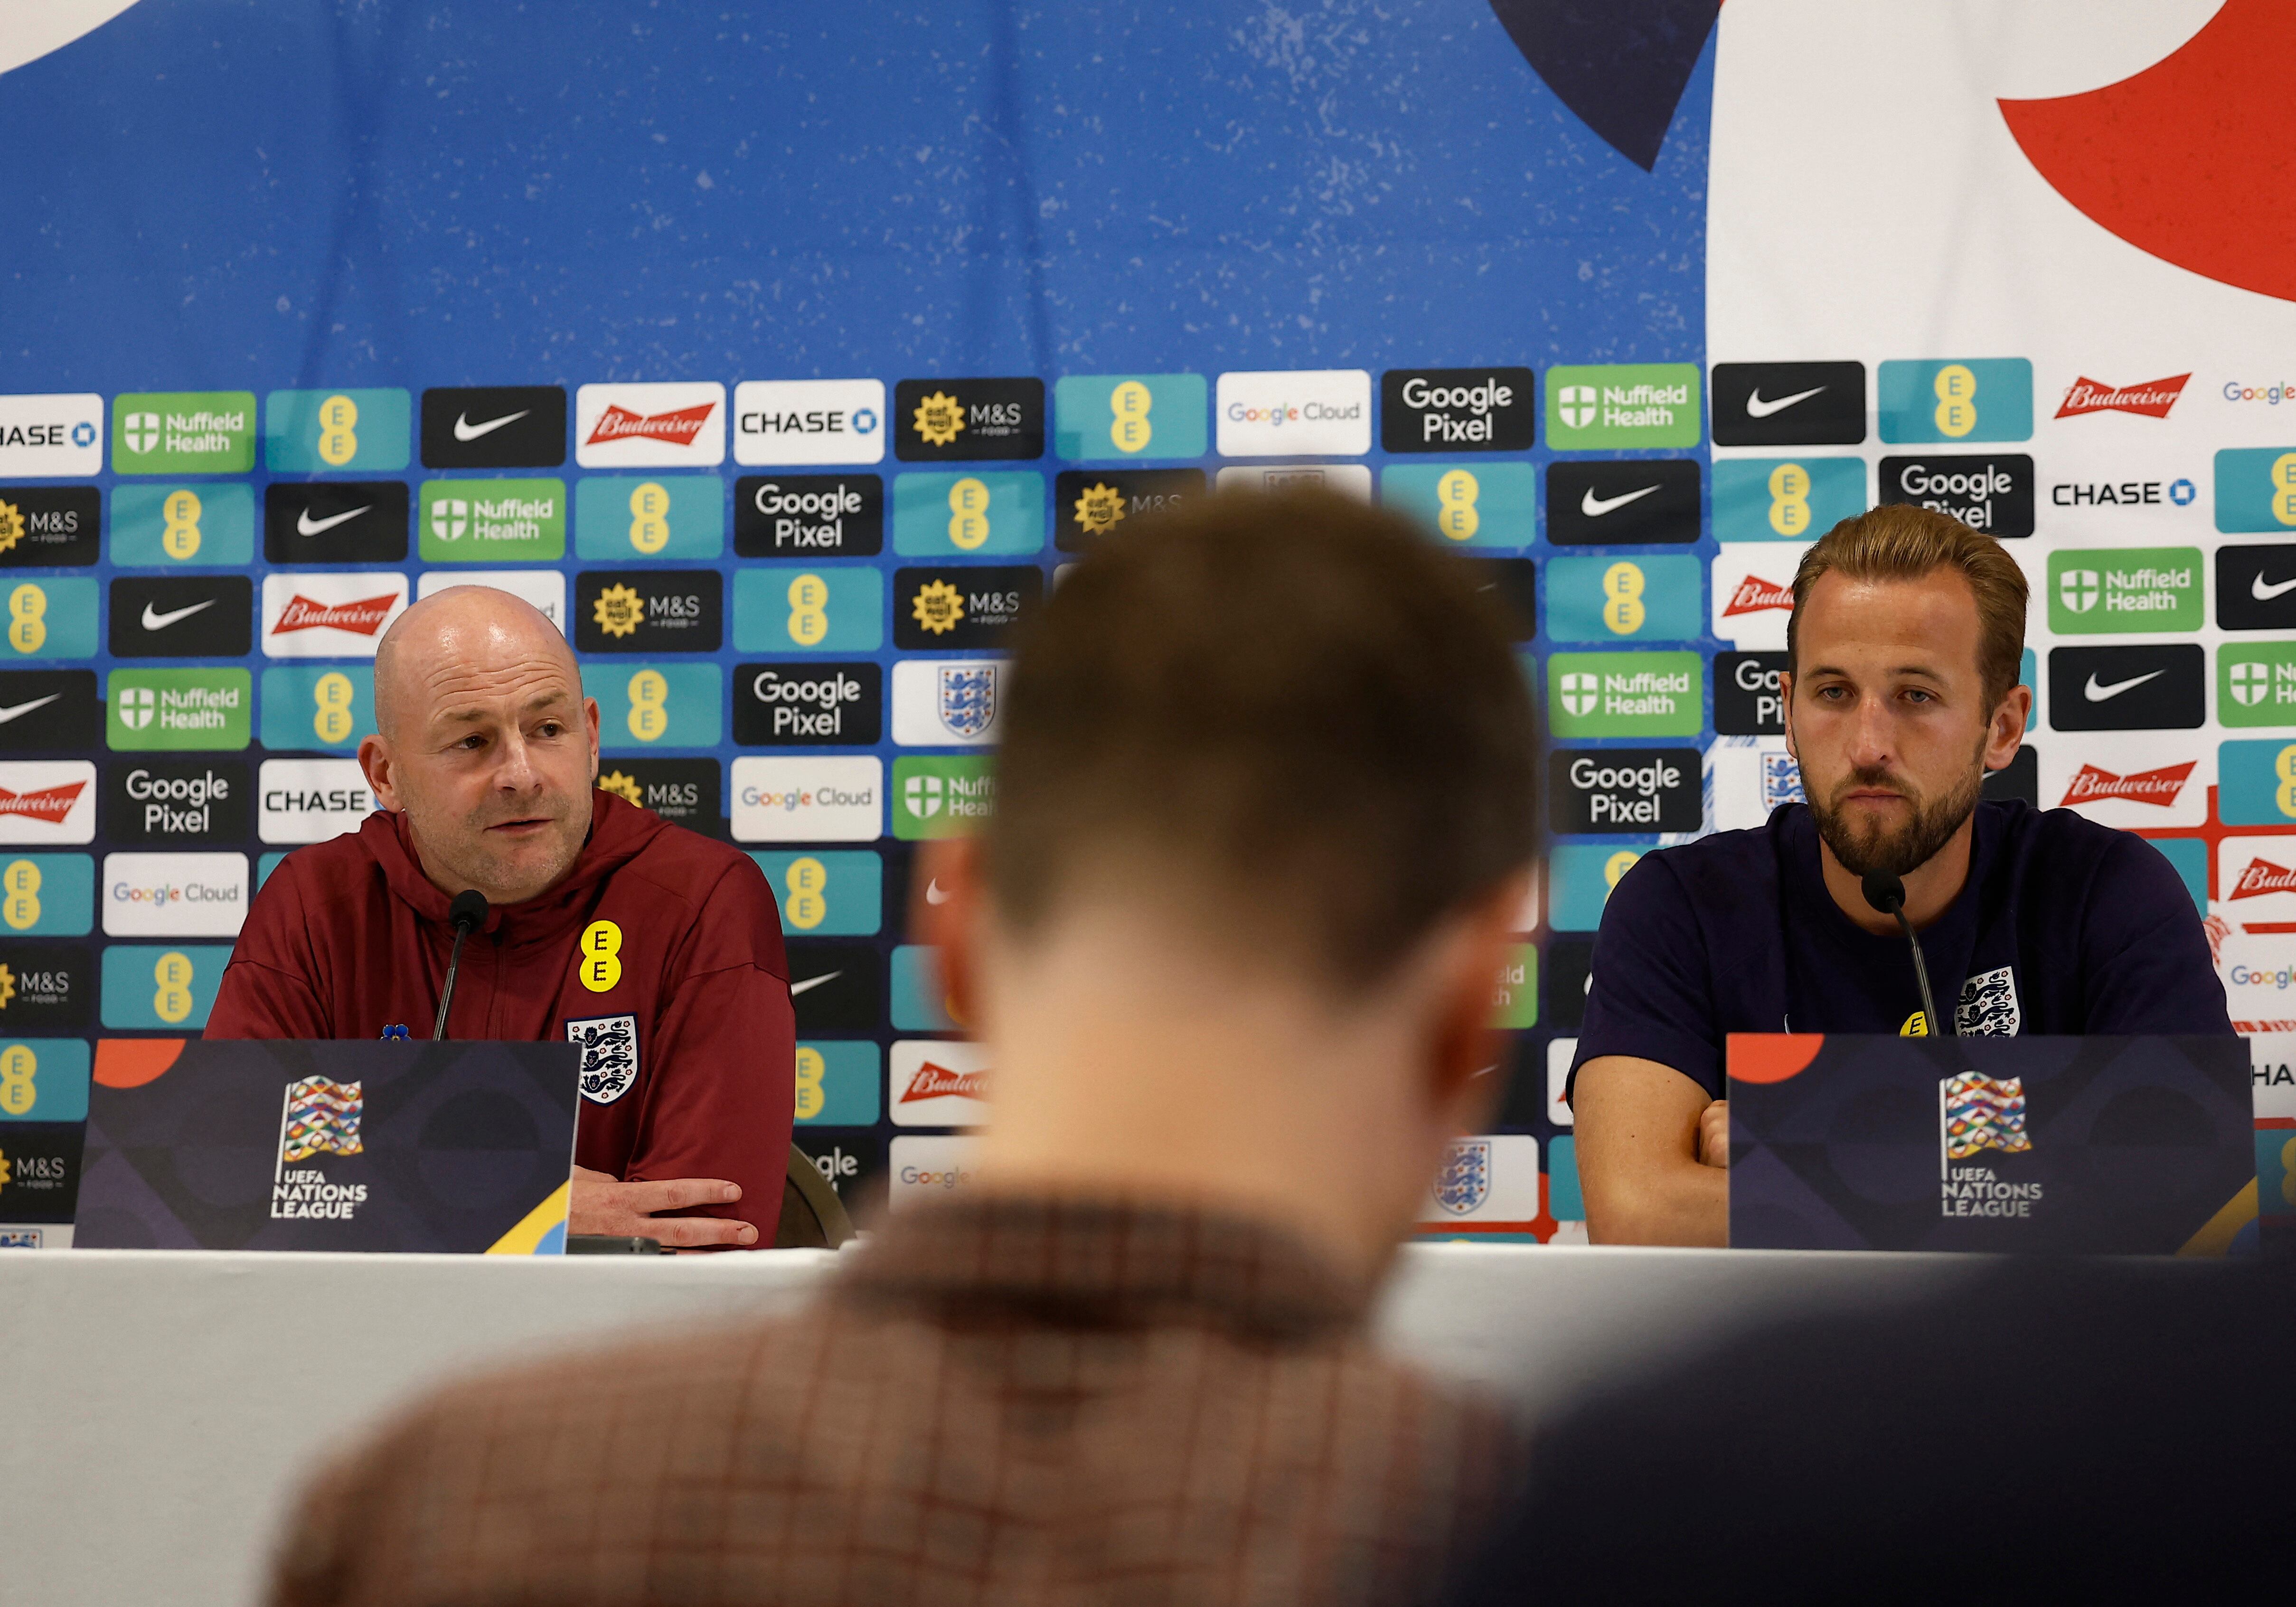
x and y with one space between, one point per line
393 1145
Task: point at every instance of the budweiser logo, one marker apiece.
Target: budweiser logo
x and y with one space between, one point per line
937 1082
364 616
1755 594
50 804
678 426
2146 786
2261 877
2152 400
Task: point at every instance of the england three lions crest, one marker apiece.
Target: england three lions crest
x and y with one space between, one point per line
968 698
1464 1182
609 1055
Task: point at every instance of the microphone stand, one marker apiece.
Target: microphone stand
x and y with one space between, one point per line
1887 893
468 913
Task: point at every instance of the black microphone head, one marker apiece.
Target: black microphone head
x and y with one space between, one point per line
1883 892
469 910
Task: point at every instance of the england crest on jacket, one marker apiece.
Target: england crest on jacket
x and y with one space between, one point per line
609 1055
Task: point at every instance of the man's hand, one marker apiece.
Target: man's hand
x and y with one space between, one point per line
602 1203
1714 1134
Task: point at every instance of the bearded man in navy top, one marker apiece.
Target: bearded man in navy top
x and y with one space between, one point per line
1900 694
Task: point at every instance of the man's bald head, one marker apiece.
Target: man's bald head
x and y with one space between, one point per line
484 740
460 626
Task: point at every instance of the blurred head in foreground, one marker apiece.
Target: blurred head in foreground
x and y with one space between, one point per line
1265 805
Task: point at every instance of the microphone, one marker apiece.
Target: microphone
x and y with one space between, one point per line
467 914
1887 893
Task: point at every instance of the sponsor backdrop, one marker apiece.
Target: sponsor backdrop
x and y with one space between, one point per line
782 359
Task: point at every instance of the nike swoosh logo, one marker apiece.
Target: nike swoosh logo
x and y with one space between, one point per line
153 621
1595 507
1757 408
812 982
933 892
309 525
2265 593
2098 695
465 431
23 709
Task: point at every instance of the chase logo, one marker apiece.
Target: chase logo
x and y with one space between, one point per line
1129 417
1486 506
207 525
935 515
1785 498
809 608
335 432
2256 489
1956 399
967 421
827 892
1638 599
809 421
51 435
646 708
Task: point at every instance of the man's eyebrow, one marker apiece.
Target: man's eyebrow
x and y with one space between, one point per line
1926 671
474 712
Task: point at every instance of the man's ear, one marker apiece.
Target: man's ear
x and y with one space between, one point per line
2006 729
1786 712
374 763
1467 1062
947 904
590 718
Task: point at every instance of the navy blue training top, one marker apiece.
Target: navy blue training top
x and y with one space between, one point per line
2064 926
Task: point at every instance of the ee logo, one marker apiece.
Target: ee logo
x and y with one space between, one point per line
27 629
602 948
1956 394
808 600
180 536
649 715
2284 488
17 1066
1454 497
337 441
1616 866
2284 766
173 1002
807 880
1130 403
968 514
1622 591
650 517
333 695
811 1067
1790 499
21 885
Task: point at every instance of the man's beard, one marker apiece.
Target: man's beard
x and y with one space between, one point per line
1865 845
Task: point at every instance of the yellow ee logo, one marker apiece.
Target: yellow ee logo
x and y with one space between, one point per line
1956 394
1455 509
1616 866
333 695
650 517
337 441
179 533
968 514
601 948
26 627
1917 1025
17 1066
649 715
807 882
810 1097
1130 403
1622 593
2284 488
2284 766
20 894
1790 499
173 1002
808 600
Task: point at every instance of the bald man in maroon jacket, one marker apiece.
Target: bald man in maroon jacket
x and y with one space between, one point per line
656 950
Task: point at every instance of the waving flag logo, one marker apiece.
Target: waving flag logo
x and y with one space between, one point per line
1983 1112
321 1117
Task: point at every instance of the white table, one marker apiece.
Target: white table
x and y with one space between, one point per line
161 1409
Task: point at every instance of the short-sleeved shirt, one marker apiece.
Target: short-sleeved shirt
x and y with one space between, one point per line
2063 926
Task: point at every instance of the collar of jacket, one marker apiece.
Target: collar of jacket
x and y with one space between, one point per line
1106 1262
619 830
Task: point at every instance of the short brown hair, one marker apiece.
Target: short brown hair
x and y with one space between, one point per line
1295 705
1899 541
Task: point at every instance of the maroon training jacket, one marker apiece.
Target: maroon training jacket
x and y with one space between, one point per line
348 938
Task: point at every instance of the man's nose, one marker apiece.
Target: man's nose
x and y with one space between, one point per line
515 771
1872 737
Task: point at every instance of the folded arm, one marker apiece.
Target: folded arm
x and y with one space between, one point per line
1653 1154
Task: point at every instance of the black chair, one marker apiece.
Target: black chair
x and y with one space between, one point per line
813 1217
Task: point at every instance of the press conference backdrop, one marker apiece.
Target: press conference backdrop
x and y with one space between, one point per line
783 356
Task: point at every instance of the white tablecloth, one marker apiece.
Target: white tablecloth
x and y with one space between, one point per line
160 1409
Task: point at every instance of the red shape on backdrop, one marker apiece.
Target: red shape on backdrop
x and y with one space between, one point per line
1771 1057
130 1062
2192 160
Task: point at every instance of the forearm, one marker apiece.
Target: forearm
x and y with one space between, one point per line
1639 1143
1677 1203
